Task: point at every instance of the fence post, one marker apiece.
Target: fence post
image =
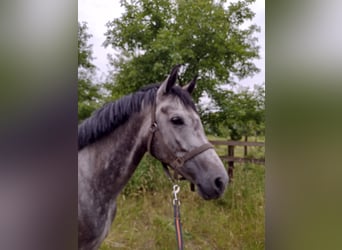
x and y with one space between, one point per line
245 152
231 162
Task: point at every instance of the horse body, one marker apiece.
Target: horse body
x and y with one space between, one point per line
113 141
104 170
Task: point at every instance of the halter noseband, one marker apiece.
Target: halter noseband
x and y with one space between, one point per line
172 160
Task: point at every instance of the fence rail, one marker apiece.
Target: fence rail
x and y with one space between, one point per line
230 157
238 143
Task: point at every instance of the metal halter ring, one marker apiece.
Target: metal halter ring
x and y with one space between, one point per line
154 127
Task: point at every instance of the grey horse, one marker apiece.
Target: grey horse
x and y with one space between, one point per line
161 119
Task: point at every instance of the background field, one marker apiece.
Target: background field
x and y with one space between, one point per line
144 217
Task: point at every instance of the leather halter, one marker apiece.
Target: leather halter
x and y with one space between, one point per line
172 160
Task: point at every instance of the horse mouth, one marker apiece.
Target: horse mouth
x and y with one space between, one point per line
207 195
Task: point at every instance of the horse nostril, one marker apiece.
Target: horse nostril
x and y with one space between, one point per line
219 184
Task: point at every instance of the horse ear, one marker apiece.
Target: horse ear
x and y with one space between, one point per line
170 81
191 85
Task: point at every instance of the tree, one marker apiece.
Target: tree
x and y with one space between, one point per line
238 113
88 93
204 35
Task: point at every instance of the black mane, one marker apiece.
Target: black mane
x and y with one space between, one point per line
113 114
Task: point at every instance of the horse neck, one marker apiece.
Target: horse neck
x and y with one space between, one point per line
119 153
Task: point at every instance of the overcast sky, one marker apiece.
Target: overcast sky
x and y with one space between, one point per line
98 12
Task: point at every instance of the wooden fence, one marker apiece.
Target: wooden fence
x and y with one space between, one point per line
230 157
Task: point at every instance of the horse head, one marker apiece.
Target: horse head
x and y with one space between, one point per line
178 139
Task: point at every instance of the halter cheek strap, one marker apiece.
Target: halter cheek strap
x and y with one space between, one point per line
153 128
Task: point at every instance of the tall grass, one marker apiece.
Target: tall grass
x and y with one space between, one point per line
144 217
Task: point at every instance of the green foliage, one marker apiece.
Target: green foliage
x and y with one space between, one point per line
85 53
148 177
88 98
88 93
239 113
206 36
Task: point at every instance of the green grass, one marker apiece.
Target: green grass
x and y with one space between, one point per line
144 218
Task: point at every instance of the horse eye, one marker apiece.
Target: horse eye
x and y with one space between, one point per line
177 120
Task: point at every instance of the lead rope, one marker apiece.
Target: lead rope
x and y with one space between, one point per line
176 210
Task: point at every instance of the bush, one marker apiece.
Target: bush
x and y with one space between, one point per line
148 177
